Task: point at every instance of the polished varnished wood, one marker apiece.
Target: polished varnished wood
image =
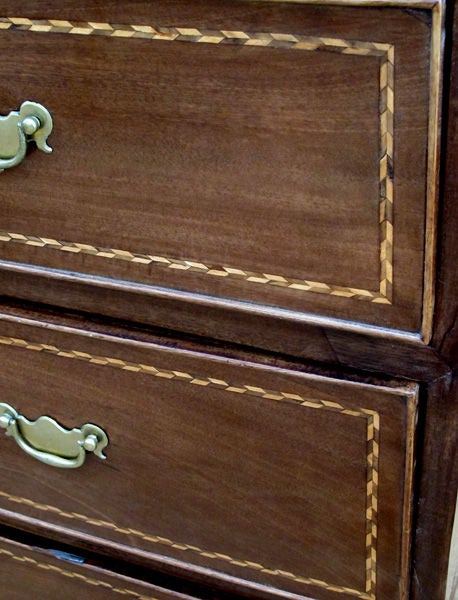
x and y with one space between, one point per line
446 326
437 489
439 479
276 199
332 455
30 570
265 442
307 338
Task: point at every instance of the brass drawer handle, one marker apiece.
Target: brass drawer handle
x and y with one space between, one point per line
48 442
31 122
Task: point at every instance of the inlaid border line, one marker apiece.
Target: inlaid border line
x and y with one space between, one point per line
260 39
31 562
373 428
386 172
194 35
187 265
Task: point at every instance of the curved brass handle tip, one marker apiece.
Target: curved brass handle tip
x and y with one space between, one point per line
31 122
48 442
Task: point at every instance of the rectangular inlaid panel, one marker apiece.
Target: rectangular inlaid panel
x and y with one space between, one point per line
271 153
280 479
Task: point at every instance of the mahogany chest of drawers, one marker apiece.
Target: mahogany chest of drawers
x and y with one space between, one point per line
229 298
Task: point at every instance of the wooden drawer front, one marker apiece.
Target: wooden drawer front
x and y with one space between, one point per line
280 479
270 153
28 572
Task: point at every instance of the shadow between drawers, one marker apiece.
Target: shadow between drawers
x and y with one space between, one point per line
301 335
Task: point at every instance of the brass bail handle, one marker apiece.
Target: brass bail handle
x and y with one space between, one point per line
48 442
32 122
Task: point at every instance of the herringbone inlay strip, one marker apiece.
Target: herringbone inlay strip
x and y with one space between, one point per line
200 36
192 266
373 425
373 432
386 173
385 52
31 562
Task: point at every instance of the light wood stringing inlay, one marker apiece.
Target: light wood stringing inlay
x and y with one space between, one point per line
385 52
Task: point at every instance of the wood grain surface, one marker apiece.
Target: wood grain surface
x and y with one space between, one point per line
27 570
214 464
234 171
331 348
229 263
438 489
445 338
